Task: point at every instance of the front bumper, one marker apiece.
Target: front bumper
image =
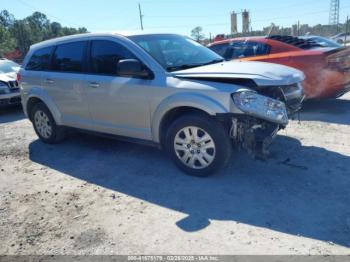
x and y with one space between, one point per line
12 98
254 135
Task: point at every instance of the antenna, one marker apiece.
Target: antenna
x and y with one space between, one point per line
334 13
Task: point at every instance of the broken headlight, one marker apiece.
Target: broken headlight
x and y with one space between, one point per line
260 106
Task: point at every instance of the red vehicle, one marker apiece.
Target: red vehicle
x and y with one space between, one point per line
327 70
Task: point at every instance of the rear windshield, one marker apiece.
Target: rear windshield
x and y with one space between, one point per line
40 60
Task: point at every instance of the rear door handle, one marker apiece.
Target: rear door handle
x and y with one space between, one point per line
94 84
49 81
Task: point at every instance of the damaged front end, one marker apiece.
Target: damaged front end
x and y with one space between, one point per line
258 123
254 135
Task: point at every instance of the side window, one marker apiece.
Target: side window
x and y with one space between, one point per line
247 49
105 55
220 49
69 57
40 60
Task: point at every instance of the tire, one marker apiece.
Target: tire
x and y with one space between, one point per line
42 120
204 155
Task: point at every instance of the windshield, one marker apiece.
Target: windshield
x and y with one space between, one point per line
8 67
325 42
176 52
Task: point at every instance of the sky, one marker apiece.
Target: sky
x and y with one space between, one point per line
175 16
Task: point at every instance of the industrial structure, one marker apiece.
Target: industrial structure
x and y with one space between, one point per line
245 21
233 23
334 12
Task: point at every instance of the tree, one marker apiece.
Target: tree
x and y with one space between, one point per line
7 42
21 34
21 31
6 19
197 34
56 29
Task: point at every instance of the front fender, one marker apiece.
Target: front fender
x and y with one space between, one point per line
37 92
193 100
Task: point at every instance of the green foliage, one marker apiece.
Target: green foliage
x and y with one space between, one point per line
7 43
23 33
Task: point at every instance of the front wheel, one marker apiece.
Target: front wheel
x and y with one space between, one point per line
198 144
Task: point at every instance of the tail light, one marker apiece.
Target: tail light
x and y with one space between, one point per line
339 60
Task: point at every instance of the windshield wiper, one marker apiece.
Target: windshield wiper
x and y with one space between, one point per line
219 60
179 67
186 66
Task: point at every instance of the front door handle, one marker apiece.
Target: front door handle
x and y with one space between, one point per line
49 81
94 84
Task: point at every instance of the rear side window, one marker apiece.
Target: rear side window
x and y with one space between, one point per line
69 57
40 60
105 55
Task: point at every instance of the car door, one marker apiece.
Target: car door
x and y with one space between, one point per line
65 83
118 105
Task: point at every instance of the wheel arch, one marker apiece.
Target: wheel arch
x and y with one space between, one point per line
178 105
39 96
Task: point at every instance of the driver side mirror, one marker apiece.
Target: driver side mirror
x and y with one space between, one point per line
133 68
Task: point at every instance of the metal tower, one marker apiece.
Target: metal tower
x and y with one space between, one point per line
334 12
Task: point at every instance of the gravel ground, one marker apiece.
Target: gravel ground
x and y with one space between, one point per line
90 195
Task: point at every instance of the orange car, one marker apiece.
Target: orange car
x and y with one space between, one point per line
327 70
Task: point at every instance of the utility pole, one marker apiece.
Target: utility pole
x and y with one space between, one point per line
141 17
346 29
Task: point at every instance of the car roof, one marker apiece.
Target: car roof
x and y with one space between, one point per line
87 35
242 38
297 42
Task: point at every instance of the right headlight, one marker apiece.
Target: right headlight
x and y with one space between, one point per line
261 106
4 89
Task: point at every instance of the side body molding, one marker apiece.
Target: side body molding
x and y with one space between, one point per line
197 101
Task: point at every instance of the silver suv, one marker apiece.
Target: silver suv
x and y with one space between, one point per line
164 89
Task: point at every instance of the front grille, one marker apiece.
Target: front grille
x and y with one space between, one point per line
12 84
291 95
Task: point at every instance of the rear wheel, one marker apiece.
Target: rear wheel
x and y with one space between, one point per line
45 126
198 144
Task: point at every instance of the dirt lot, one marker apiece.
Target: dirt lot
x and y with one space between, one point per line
91 195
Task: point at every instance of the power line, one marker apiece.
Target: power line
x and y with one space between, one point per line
55 17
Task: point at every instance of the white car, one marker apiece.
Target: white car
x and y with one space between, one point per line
341 38
9 89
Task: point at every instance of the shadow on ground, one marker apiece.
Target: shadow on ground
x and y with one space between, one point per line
296 192
331 110
11 114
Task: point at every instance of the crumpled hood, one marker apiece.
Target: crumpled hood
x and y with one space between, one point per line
8 76
263 74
